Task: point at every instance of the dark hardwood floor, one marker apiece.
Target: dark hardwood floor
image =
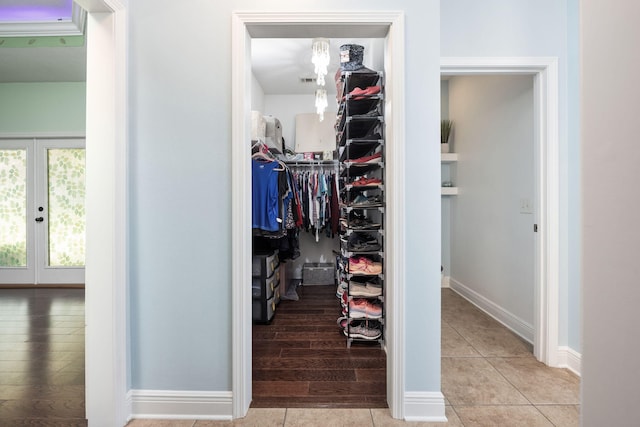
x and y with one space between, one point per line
301 359
42 357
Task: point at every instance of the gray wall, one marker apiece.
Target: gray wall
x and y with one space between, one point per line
533 28
610 204
180 189
492 243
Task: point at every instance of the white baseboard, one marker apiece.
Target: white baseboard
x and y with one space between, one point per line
445 282
570 359
424 406
508 319
185 405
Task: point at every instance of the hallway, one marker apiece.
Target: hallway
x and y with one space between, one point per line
490 377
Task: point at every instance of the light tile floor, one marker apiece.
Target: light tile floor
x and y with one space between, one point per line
489 378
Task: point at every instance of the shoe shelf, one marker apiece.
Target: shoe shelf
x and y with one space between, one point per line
357 149
354 170
352 187
349 80
360 141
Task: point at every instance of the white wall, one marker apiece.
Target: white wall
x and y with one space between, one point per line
257 95
285 108
492 243
610 205
533 28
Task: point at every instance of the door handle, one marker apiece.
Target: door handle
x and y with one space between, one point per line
39 219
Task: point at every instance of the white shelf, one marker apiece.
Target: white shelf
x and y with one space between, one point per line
449 191
448 157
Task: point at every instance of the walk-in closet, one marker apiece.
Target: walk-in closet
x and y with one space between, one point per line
318 221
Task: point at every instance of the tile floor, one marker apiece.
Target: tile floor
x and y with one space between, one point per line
489 378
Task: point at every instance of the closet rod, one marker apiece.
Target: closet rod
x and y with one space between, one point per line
313 163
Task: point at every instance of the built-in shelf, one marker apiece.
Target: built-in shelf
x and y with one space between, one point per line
448 157
449 191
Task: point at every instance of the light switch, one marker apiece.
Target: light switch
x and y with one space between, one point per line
525 206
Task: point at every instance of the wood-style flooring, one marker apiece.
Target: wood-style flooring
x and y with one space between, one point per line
301 358
42 357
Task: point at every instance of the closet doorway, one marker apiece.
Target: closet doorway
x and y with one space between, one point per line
542 206
373 25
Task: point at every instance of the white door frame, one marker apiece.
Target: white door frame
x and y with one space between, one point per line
242 22
547 277
106 213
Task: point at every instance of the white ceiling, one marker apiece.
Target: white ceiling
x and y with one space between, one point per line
279 64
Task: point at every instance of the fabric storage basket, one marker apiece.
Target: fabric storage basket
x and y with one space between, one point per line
318 273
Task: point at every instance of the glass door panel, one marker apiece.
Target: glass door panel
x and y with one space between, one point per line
17 245
42 212
13 208
60 211
66 195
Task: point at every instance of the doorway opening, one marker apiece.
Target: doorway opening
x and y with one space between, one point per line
304 349
271 25
546 181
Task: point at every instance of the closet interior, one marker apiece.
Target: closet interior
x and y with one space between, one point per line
318 212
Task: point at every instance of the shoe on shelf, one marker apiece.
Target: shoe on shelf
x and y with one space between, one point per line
360 330
362 182
363 224
362 242
359 93
363 290
364 309
363 201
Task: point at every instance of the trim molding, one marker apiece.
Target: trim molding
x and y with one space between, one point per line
505 317
547 270
424 406
242 24
106 273
570 359
73 27
174 405
42 135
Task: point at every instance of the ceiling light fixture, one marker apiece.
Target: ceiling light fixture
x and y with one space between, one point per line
320 58
321 102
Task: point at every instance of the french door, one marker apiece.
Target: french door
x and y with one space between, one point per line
42 211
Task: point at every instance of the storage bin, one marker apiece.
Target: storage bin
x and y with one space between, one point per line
264 287
263 310
263 264
318 273
276 294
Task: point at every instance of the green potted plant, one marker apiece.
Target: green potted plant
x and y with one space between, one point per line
445 132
